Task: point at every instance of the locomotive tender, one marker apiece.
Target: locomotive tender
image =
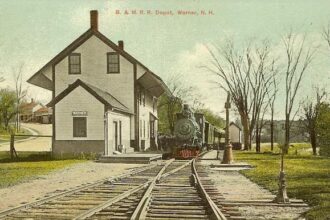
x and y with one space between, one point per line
194 134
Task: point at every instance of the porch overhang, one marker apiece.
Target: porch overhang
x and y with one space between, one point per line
153 84
42 81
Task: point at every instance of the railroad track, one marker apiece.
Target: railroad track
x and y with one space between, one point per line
166 190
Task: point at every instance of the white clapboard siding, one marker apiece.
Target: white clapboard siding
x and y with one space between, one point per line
125 126
79 100
94 71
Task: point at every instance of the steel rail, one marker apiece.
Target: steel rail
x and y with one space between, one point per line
176 169
111 201
140 210
70 192
217 214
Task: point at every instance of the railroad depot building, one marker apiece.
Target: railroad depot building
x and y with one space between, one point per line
103 99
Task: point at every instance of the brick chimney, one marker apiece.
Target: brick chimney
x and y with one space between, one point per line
121 44
94 20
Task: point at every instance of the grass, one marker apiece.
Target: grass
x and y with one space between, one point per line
29 166
308 177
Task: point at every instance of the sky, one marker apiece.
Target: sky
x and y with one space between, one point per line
34 31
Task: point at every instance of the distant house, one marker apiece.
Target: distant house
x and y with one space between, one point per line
34 112
43 115
103 99
235 135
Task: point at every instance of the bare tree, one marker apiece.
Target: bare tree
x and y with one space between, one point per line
20 91
260 81
233 70
326 34
298 58
196 103
246 75
311 111
271 93
259 126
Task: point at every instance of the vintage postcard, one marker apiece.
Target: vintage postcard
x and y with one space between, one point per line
154 109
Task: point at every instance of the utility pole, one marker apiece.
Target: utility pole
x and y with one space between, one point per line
228 157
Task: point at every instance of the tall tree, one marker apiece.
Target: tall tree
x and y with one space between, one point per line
311 111
246 75
260 80
259 126
298 59
7 106
20 91
272 97
212 117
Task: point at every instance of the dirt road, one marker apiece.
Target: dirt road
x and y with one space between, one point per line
33 143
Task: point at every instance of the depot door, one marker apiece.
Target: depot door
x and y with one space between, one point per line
152 135
115 133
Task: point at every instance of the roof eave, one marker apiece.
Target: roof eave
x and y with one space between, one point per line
41 80
156 82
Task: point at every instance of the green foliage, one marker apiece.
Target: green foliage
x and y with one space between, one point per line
213 118
7 106
323 128
307 178
169 106
167 109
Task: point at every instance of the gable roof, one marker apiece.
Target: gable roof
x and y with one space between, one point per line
28 105
104 97
233 123
74 45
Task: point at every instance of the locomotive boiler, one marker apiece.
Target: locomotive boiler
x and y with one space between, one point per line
192 134
188 134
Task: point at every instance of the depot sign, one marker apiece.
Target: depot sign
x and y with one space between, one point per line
79 113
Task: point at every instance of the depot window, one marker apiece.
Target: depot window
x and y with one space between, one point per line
142 97
75 63
79 127
113 62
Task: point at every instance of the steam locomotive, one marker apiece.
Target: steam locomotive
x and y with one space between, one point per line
192 134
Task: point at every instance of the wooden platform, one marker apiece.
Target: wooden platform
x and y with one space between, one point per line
131 158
